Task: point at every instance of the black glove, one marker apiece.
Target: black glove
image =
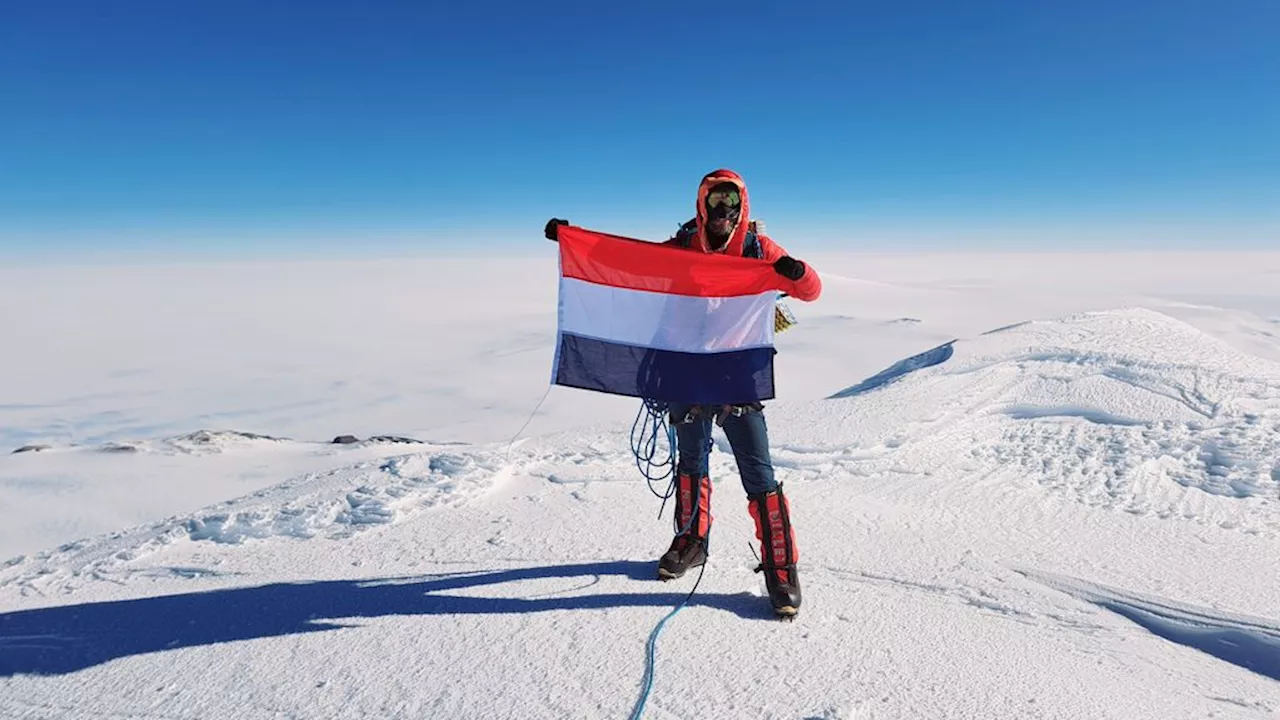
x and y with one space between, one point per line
789 268
552 230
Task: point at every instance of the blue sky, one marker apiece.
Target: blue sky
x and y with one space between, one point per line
408 125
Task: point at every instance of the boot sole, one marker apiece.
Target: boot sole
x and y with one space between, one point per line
665 574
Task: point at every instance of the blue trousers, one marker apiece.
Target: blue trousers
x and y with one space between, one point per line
748 436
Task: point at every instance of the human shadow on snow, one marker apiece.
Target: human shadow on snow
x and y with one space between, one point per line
65 639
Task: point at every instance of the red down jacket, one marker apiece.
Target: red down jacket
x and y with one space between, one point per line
807 288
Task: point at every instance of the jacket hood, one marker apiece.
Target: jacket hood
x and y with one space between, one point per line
738 237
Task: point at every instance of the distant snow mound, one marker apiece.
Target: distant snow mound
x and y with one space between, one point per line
200 442
214 441
1128 408
333 505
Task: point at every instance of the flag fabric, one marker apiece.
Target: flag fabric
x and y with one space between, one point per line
663 323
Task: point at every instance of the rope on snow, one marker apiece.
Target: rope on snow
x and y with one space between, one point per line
651 649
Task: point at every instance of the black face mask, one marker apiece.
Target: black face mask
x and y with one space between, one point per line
720 224
721 220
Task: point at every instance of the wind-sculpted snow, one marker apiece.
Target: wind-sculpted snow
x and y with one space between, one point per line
1251 643
1125 409
1129 424
330 505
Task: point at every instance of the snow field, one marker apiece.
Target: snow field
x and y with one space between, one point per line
1069 517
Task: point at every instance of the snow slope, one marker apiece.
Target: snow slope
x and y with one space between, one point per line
1065 518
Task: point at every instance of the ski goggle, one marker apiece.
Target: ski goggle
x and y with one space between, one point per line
723 197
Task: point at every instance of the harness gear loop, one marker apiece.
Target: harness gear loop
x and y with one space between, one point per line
719 413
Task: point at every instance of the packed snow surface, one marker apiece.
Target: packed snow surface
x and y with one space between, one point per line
1012 500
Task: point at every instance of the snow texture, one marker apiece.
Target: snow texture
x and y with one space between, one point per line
1060 500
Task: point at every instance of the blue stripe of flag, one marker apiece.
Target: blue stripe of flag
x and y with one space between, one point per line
724 378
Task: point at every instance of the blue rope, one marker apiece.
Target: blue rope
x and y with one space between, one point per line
652 649
649 427
647 430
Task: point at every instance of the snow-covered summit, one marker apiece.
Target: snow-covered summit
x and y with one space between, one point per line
1060 518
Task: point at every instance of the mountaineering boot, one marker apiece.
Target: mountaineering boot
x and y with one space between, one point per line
778 553
686 552
693 523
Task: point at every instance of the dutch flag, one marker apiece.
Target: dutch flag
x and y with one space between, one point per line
664 323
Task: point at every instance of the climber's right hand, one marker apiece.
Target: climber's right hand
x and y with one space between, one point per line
552 231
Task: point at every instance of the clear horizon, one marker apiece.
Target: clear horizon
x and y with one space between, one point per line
246 129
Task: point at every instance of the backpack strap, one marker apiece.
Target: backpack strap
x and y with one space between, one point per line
751 244
686 233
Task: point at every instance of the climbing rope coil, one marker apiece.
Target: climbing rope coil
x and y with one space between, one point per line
647 432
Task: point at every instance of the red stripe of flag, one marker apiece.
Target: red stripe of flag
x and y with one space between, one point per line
638 265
